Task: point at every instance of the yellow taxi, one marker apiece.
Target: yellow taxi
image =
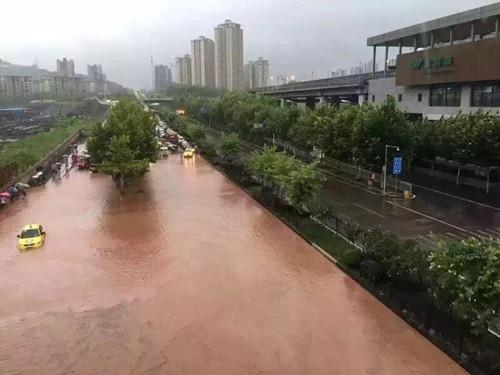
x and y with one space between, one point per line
188 153
32 236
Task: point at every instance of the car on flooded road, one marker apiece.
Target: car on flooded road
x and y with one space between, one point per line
32 236
188 153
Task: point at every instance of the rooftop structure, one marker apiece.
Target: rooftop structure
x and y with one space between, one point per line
477 22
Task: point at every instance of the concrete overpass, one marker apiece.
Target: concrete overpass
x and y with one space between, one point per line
347 89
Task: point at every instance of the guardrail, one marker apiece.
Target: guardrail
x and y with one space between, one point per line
344 81
354 172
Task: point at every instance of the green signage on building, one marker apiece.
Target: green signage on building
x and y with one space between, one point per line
437 62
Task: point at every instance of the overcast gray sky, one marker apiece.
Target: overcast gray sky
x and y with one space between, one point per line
297 36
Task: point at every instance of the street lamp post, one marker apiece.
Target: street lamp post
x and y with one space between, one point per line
384 169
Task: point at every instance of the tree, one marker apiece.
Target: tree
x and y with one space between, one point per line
126 138
229 147
375 127
287 176
467 274
302 184
121 162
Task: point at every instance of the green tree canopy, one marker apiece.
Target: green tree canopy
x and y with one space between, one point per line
467 274
229 147
124 145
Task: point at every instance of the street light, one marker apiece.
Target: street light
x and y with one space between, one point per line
387 147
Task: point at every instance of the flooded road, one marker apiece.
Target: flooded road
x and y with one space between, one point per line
185 274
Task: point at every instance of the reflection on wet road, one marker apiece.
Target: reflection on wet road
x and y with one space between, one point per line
184 275
422 218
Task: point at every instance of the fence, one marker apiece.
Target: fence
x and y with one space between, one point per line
353 172
459 174
414 303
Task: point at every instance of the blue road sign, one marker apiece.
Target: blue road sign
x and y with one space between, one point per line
397 165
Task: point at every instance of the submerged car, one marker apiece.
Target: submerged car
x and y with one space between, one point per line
32 236
188 153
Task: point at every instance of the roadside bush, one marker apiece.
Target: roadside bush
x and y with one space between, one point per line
351 257
372 270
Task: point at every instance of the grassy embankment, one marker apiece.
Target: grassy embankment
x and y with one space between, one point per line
26 152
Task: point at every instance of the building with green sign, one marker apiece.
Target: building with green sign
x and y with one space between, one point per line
443 66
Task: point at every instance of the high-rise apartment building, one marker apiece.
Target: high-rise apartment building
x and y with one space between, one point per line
229 73
203 62
16 86
94 72
163 77
65 67
250 75
257 73
184 70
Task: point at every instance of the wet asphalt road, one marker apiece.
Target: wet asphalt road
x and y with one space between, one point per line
427 218
185 274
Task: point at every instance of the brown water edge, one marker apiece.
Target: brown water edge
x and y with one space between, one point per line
185 275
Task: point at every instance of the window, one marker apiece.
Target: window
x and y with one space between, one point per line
30 233
419 97
445 96
373 98
486 95
400 97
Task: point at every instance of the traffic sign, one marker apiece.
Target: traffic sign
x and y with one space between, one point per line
397 165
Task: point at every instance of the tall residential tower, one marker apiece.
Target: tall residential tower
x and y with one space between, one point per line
65 67
257 73
229 73
162 77
203 62
184 70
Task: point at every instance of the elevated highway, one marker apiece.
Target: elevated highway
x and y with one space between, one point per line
346 89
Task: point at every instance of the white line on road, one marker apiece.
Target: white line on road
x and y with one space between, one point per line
457 197
428 240
368 210
492 232
432 218
454 235
484 233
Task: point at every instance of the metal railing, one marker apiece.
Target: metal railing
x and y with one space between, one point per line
344 81
350 171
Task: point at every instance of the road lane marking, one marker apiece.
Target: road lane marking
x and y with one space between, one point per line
368 210
342 180
484 233
454 236
428 240
457 197
492 232
432 218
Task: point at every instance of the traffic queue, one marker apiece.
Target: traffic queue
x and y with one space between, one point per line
169 141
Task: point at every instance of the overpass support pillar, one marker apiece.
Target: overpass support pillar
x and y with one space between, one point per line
322 101
361 99
282 102
311 103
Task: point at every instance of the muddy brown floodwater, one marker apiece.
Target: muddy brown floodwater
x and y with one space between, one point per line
184 275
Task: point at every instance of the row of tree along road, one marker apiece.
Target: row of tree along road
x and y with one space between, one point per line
452 292
356 134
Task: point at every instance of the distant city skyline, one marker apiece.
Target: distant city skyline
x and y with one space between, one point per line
301 41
